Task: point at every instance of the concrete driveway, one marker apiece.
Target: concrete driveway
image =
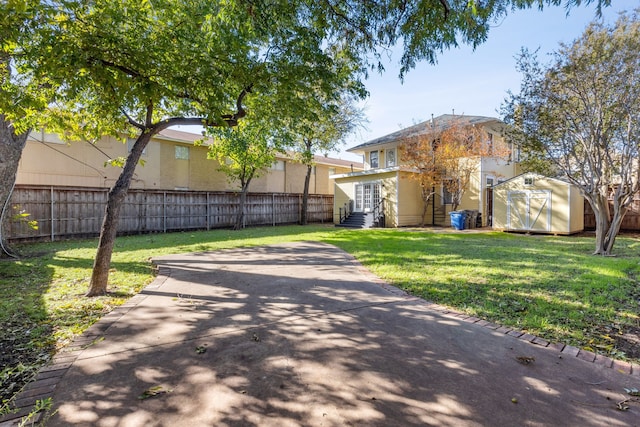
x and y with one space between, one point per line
301 335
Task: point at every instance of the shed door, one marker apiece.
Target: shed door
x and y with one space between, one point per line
529 210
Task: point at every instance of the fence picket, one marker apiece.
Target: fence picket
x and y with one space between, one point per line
69 212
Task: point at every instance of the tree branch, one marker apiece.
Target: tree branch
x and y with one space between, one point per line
131 121
446 7
229 119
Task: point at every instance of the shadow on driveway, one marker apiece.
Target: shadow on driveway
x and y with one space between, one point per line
301 335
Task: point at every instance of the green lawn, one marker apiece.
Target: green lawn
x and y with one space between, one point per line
549 286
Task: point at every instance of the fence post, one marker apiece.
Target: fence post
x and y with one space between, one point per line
52 224
164 212
208 213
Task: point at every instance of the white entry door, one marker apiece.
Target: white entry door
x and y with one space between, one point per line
529 210
367 197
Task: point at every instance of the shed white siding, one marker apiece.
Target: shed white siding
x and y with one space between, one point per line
534 203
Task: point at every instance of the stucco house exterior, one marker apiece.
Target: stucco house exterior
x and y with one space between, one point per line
171 161
388 185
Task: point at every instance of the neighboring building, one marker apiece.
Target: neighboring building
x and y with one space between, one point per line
534 203
386 182
170 161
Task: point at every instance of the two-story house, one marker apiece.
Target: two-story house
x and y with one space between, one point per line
388 187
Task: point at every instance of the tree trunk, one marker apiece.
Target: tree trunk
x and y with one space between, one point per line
117 194
612 233
11 146
241 205
305 196
600 206
426 197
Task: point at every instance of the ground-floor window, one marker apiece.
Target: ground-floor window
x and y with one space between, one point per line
447 197
367 196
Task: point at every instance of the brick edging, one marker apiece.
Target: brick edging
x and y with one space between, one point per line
564 350
48 377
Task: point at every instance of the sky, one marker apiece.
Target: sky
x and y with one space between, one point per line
464 81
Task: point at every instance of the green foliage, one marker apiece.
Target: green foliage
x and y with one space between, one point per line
22 216
243 152
579 114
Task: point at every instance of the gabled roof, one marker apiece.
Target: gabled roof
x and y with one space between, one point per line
436 124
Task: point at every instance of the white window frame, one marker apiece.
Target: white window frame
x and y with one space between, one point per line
390 154
373 154
493 181
181 152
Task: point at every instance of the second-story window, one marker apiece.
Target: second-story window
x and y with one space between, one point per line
373 159
391 157
182 152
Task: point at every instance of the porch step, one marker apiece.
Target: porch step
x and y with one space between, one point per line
358 220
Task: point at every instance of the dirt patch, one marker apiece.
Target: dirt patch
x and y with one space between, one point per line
627 341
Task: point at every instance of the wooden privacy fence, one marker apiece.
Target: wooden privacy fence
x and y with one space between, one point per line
630 222
66 212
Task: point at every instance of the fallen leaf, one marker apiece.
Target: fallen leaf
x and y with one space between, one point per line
153 392
525 360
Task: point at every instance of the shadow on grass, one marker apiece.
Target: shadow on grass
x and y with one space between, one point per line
26 337
548 286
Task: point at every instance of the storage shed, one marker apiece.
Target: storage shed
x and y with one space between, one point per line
535 203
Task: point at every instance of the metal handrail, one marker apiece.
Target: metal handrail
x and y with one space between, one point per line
347 212
378 211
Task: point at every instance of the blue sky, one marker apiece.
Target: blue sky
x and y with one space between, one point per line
467 81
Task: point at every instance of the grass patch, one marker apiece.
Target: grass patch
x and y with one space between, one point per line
548 286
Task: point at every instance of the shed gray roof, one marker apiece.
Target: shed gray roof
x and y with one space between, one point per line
436 124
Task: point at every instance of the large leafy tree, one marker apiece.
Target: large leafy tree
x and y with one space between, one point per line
133 68
581 113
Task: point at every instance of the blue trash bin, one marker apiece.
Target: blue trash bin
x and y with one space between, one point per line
457 219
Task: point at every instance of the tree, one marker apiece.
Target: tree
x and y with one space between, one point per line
243 152
447 154
133 68
21 98
322 131
581 112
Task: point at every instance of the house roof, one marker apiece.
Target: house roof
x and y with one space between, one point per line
190 138
435 124
180 136
337 162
